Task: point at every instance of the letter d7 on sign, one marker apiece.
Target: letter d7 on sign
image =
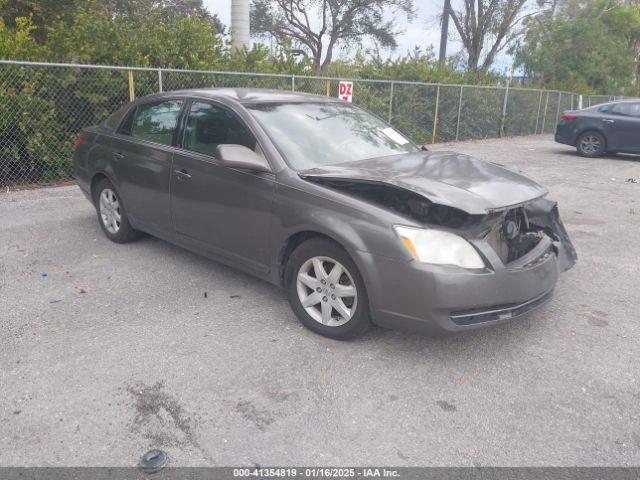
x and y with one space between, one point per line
345 91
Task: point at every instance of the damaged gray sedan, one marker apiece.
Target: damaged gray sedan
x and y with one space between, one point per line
357 223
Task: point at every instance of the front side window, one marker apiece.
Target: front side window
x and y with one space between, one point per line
156 122
209 126
316 134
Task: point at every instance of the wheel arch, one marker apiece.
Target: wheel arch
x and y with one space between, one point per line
292 242
97 178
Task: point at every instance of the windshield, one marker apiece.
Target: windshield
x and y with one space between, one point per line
316 134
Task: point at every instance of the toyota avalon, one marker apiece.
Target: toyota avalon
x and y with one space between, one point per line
358 224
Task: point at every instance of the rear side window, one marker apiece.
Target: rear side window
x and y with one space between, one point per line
629 109
604 108
208 126
155 122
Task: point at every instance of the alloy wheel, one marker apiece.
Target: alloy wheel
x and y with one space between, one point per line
110 211
327 291
590 144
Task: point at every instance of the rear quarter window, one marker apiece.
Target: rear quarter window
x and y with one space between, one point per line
115 118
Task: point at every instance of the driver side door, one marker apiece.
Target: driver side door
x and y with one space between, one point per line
222 211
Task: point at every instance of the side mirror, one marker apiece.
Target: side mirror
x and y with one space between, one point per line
239 156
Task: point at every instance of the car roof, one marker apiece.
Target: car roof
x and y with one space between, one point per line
245 95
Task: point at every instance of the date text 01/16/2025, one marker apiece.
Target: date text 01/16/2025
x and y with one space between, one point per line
315 472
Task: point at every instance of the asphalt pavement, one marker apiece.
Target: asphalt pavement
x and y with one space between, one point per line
108 350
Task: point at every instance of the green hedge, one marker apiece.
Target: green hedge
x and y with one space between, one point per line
42 109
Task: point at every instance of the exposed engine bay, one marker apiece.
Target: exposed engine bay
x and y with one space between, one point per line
512 233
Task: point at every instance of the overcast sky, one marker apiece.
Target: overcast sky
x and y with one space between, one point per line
423 31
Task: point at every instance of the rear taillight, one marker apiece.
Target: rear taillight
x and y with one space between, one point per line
80 140
568 118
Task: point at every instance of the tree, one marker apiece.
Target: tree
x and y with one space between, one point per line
339 22
18 41
42 13
140 35
584 47
486 27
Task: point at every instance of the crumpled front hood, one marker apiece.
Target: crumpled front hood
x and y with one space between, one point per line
446 178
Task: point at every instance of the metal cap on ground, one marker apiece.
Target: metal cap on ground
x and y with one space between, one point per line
153 460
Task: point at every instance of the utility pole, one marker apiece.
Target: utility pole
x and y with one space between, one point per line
444 34
240 23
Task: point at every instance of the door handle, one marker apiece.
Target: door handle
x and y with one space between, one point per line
117 155
608 120
182 174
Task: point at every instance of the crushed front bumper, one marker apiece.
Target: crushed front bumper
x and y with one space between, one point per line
417 296
421 297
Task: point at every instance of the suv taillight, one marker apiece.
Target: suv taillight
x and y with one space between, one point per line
569 118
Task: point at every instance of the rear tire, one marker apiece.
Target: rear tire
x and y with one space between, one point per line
112 216
321 274
591 144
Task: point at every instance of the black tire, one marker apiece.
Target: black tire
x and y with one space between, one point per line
359 321
591 144
124 232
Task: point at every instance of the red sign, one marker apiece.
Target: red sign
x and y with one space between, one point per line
345 91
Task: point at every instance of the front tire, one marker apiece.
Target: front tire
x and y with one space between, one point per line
326 291
112 215
591 144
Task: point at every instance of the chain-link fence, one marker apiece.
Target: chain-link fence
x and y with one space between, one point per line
44 106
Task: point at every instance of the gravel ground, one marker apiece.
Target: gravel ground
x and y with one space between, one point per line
118 349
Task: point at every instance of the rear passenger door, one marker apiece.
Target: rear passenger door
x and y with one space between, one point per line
223 211
622 127
142 151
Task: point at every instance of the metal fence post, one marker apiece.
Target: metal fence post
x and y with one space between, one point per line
459 111
132 92
544 116
558 109
535 130
160 80
435 115
390 102
328 87
293 83
504 109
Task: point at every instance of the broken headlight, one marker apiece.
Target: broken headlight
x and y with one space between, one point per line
439 247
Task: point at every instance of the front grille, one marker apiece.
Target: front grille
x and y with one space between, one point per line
498 312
